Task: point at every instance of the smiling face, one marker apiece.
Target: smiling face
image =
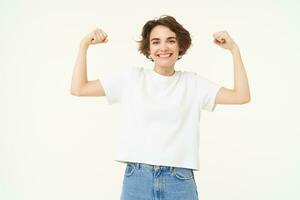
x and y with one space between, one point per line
164 48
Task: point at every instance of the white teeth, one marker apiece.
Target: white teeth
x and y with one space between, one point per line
164 55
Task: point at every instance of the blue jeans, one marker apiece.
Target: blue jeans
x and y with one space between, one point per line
153 182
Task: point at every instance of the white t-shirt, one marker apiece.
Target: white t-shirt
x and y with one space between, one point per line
160 115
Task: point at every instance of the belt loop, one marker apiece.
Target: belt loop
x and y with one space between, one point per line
138 165
172 169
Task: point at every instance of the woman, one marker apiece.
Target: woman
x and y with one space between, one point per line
159 136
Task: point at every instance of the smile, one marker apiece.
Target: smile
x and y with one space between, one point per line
164 55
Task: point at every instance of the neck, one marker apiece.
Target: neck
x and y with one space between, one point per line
165 71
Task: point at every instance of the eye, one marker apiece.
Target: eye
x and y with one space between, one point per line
172 41
156 42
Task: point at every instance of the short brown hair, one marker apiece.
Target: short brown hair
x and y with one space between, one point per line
183 36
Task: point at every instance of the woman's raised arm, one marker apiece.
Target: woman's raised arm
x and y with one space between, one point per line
80 86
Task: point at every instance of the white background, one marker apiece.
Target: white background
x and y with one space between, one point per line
57 146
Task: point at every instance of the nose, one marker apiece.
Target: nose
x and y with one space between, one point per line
163 46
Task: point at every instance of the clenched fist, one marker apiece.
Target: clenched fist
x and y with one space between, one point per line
223 39
97 36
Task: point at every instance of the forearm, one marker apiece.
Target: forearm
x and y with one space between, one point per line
241 86
79 77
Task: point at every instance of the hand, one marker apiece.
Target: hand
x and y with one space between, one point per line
223 39
97 36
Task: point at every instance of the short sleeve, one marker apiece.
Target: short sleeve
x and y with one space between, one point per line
114 84
208 91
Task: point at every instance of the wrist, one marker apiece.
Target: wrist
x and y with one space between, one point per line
84 44
234 49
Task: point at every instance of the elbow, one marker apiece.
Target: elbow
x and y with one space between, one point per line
76 89
245 100
74 92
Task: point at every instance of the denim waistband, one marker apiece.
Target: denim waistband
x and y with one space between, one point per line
154 167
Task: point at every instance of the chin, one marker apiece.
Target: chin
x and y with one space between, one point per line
165 62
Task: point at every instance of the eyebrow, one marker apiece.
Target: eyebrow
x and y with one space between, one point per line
167 38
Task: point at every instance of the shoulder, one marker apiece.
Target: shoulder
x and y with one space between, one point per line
189 75
130 71
133 73
140 71
196 76
136 69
